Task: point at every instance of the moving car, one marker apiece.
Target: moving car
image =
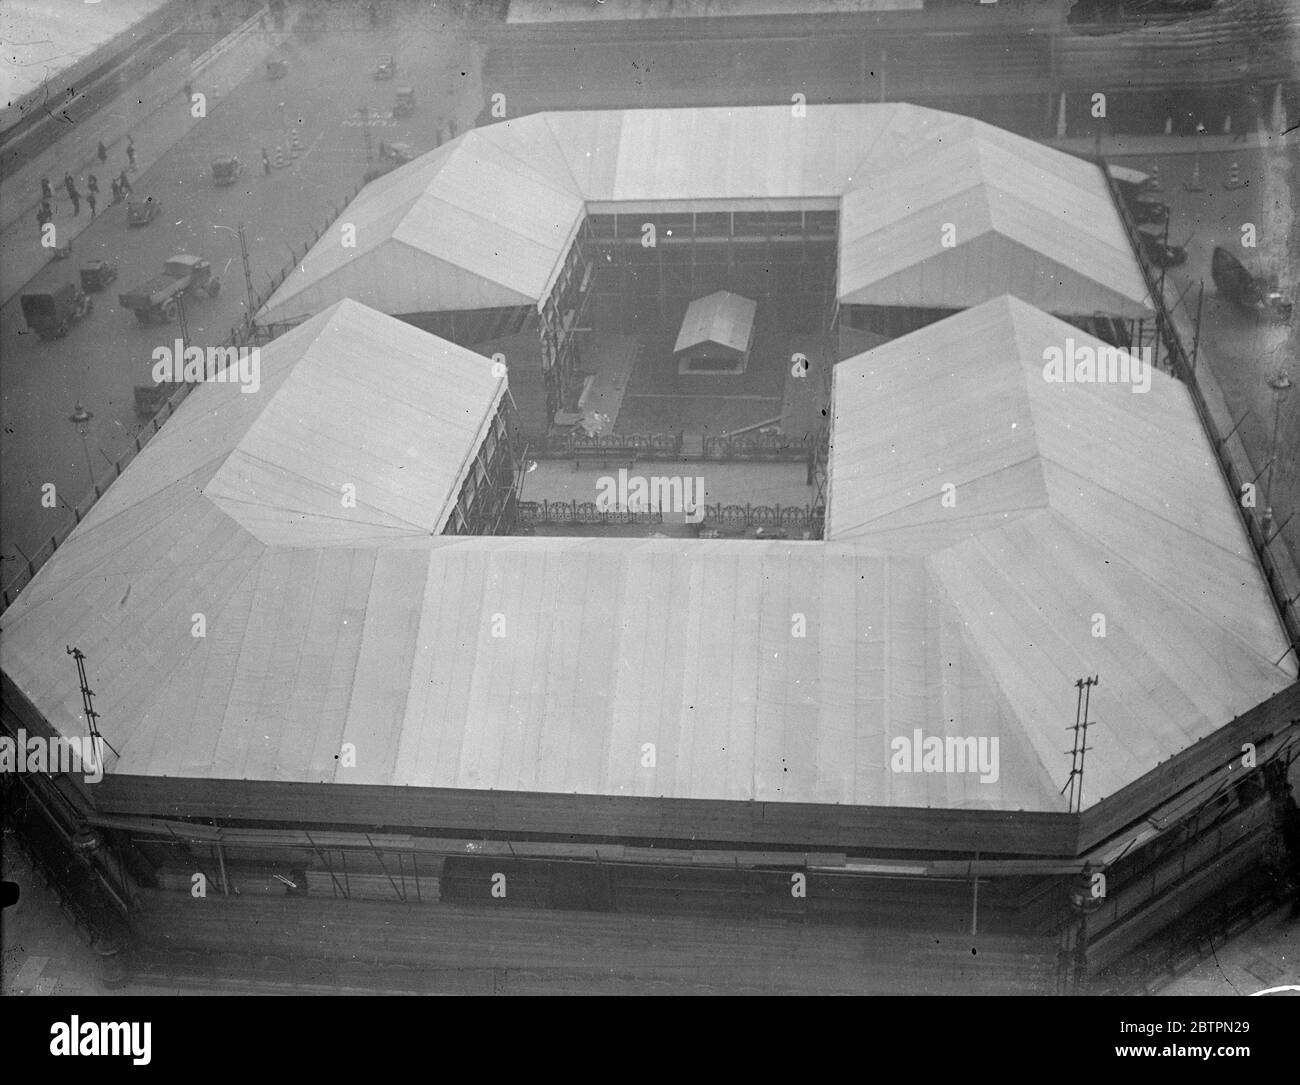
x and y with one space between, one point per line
155 302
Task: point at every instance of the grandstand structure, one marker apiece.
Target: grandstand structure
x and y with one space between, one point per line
395 721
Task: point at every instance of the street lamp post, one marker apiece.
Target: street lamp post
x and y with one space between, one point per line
81 417
1281 384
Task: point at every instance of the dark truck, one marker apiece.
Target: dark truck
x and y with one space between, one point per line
50 315
154 302
1245 290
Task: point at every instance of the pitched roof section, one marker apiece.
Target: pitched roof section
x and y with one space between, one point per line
471 225
349 398
486 220
1068 501
983 217
1072 501
722 318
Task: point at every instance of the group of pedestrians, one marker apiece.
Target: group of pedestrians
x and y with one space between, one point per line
121 187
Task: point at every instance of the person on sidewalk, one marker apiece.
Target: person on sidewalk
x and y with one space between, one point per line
266 162
47 191
130 154
90 199
117 191
44 214
125 185
71 186
102 152
92 184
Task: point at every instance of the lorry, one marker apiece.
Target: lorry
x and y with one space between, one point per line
50 315
1247 291
155 302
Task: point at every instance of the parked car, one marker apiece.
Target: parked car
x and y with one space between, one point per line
1159 252
404 104
50 315
154 302
226 171
142 212
1149 211
97 274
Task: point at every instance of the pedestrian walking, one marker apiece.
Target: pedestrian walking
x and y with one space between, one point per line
266 162
189 93
102 152
117 191
125 185
44 214
92 183
130 153
47 190
71 186
90 199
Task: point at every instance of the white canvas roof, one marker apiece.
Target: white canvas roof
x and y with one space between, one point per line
329 625
467 226
983 217
721 318
487 220
1068 501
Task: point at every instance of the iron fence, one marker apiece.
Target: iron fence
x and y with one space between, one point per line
757 446
647 446
733 517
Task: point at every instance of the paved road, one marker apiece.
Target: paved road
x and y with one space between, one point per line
1242 349
104 357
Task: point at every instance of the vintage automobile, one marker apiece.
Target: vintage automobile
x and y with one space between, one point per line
142 212
1247 291
1153 212
277 68
404 103
387 67
226 171
1160 252
50 315
97 274
155 302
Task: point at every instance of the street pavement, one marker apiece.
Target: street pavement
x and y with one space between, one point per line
105 356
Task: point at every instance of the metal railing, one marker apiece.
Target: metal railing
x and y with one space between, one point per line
757 446
739 517
647 446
